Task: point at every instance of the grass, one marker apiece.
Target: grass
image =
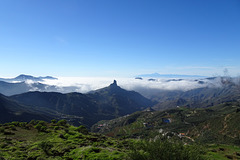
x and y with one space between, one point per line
56 141
223 152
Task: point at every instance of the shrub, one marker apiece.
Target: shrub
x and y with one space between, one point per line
41 126
33 122
53 121
12 127
82 129
22 124
43 129
62 122
66 130
56 128
1 130
15 123
164 149
45 146
42 123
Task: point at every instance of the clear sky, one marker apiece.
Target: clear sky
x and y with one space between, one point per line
119 37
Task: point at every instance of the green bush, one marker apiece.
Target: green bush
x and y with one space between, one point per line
56 128
46 147
16 124
42 123
1 130
43 129
54 121
41 126
12 127
33 122
82 129
22 124
164 149
62 122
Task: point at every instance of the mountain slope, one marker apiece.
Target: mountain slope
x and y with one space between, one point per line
106 103
200 97
70 104
217 124
12 111
10 89
116 100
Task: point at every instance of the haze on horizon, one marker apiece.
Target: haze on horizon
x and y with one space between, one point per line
119 38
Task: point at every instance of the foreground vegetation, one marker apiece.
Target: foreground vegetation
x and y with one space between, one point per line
59 140
56 140
39 140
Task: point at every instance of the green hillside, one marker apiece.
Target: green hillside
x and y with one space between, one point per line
38 140
56 140
218 124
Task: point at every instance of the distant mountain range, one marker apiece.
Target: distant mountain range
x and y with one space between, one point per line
45 102
23 77
21 84
157 75
199 97
106 103
9 89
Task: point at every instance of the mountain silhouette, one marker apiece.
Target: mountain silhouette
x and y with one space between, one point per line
106 103
12 111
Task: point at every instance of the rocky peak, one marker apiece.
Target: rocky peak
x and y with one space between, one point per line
114 84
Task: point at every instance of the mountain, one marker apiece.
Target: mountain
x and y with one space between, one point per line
217 124
157 75
12 111
116 100
200 97
106 103
24 77
69 104
21 84
10 89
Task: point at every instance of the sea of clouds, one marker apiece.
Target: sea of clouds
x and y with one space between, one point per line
86 84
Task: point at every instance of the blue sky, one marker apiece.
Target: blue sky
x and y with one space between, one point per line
119 37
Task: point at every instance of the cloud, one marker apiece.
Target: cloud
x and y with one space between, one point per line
145 87
86 84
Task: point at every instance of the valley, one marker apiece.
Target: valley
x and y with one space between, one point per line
206 116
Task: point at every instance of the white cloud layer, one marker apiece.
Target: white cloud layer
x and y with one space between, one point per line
86 84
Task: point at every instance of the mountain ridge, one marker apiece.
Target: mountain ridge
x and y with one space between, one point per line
106 103
24 77
157 75
12 111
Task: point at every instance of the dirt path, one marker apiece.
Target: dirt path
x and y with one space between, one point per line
225 123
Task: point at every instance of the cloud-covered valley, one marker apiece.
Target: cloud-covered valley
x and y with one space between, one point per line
147 86
86 84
